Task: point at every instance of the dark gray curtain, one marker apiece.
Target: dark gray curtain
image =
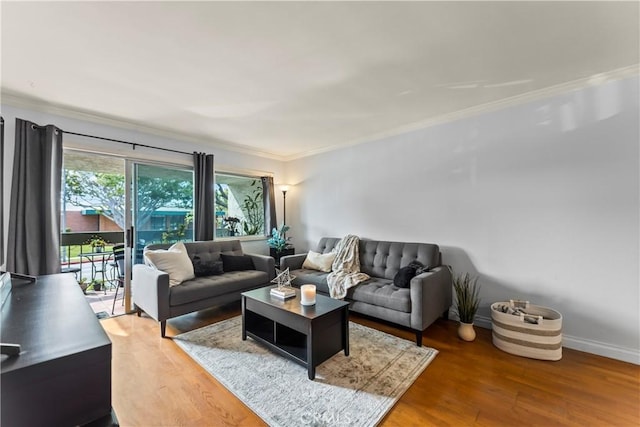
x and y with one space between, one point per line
1 190
33 245
269 201
203 203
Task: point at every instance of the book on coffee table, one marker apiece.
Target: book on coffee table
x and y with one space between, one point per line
283 293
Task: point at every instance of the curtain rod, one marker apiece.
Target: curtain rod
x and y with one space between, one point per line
133 144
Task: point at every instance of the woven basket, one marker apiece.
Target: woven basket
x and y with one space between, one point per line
537 335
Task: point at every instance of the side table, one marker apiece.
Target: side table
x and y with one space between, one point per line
277 255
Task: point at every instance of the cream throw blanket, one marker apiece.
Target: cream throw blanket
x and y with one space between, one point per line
345 268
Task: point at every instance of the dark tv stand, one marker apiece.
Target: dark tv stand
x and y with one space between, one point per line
62 375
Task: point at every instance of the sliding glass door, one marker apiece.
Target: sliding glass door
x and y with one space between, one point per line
92 222
159 210
119 201
162 205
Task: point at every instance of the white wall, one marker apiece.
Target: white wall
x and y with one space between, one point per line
225 160
540 200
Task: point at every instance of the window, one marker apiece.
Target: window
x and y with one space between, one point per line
239 206
93 190
163 200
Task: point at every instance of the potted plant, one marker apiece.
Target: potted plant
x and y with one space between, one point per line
83 282
253 210
279 244
97 243
466 304
97 285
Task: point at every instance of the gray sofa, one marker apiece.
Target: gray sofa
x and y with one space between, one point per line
428 297
153 295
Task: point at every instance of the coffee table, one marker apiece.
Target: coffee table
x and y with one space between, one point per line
308 335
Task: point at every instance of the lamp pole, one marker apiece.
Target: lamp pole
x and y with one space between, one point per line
284 209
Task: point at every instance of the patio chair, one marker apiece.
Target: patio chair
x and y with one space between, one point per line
67 267
118 261
71 269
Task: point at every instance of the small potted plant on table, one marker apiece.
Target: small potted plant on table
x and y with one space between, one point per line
97 244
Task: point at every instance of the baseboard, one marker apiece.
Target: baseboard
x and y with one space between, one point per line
483 322
625 354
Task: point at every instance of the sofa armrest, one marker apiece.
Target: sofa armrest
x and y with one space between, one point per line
150 288
293 262
431 296
264 263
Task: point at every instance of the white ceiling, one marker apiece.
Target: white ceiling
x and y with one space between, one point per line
291 78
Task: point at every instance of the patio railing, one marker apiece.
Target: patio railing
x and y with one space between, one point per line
75 248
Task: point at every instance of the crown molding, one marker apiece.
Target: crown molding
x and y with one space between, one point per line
42 106
548 92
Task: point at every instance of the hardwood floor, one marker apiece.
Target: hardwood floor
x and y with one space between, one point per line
156 384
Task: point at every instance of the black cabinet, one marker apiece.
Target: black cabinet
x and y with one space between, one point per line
62 377
277 255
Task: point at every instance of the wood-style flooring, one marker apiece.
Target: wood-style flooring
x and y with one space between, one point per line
468 384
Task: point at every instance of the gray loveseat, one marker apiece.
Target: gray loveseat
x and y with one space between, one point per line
153 295
428 297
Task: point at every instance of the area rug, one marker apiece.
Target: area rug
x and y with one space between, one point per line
357 390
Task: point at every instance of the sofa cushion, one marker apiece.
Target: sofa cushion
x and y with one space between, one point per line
384 259
312 277
327 244
203 268
383 293
375 291
394 316
209 250
173 261
212 286
318 261
237 262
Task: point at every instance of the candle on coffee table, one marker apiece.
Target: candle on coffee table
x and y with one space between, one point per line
308 294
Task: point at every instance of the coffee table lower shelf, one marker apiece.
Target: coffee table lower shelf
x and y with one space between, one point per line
286 341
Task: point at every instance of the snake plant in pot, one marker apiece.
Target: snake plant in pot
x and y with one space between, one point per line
466 305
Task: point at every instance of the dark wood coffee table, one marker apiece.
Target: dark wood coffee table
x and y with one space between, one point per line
308 335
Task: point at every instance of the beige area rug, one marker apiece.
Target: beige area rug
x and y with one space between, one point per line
357 390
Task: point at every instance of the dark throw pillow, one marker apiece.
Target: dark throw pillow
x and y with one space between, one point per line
403 277
206 268
420 268
237 262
